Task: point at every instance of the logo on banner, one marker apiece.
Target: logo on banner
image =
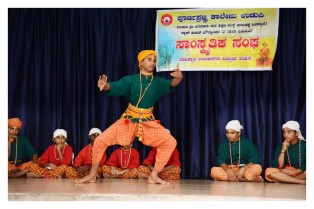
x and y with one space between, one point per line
166 19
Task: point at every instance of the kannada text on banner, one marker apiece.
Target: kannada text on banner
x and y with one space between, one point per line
217 39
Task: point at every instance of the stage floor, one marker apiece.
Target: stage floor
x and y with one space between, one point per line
23 189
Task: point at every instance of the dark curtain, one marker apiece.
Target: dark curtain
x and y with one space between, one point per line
56 56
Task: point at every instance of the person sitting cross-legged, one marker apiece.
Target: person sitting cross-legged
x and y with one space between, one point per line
83 161
238 157
123 163
21 152
54 161
290 157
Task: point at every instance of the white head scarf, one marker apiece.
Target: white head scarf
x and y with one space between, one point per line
59 132
294 125
94 130
235 125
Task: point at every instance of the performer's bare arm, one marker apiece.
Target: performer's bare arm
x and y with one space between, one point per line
281 157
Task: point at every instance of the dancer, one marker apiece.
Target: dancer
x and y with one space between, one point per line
142 91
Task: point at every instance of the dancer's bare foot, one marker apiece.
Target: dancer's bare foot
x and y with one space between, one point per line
158 180
87 179
155 179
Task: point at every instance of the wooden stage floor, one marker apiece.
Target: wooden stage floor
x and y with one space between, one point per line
23 189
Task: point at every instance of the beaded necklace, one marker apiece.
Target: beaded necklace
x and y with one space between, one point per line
54 152
299 155
141 88
238 164
124 167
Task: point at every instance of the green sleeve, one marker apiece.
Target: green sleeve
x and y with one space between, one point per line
118 88
166 87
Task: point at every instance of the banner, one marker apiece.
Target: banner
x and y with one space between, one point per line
217 39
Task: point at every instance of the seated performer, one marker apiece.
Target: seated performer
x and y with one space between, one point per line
123 163
290 157
83 161
171 171
20 150
238 157
56 158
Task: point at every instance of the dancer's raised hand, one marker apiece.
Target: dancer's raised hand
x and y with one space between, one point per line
102 81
